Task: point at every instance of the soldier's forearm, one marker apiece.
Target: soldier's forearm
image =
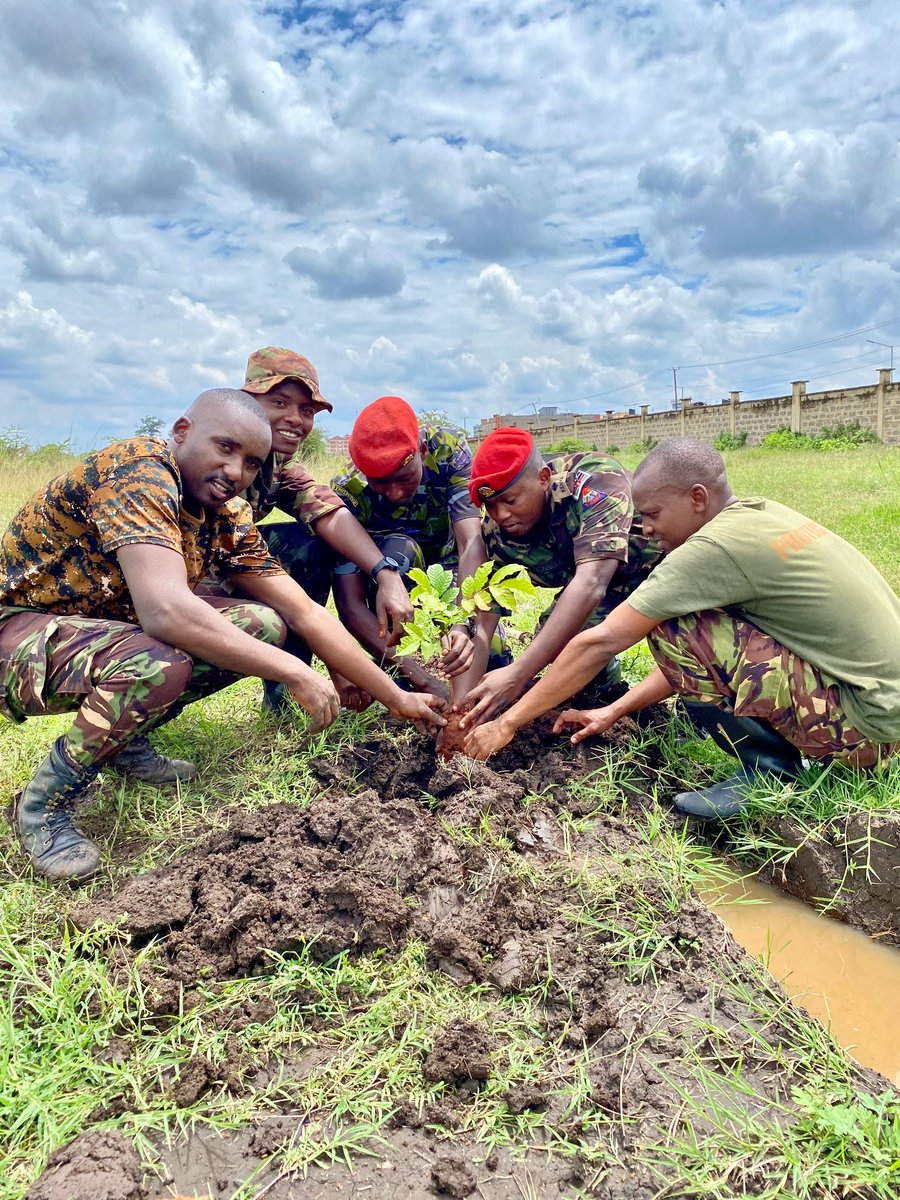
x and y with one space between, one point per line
343 533
573 607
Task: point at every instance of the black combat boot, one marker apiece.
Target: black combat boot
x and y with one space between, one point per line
43 816
760 749
140 761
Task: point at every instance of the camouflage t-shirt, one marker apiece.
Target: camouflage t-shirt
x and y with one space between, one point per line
441 498
59 552
291 488
590 516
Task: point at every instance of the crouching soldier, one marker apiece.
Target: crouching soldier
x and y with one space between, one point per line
409 490
570 522
98 614
783 639
320 530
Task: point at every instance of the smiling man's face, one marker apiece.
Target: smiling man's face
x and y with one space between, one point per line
291 411
219 454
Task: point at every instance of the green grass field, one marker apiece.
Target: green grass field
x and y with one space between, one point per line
80 1046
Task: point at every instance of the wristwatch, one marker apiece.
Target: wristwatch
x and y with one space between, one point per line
385 564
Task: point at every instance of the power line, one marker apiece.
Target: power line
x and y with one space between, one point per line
728 362
624 387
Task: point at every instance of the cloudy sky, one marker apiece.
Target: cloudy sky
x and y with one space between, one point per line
480 207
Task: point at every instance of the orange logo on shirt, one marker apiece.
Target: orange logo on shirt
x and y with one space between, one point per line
797 539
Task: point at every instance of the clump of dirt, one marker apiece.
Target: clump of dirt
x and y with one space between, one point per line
452 1177
461 1054
99 1165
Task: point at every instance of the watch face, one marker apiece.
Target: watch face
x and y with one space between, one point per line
391 562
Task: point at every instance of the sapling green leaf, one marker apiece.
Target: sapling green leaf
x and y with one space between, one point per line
438 604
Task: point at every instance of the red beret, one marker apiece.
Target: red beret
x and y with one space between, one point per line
499 461
384 438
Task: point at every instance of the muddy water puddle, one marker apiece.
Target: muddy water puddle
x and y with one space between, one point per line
840 976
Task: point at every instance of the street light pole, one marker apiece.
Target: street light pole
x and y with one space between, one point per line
887 347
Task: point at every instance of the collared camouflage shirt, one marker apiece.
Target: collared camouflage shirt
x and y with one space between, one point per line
289 487
590 515
441 498
59 553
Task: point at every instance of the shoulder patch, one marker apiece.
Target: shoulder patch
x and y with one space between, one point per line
591 496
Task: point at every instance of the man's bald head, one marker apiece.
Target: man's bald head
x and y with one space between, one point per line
220 444
677 488
218 401
682 462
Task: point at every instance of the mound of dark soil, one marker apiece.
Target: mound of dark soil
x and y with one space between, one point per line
99 1165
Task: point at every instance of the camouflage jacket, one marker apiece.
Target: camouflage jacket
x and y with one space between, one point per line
589 515
59 553
442 496
291 488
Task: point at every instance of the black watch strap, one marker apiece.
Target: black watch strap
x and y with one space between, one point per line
385 564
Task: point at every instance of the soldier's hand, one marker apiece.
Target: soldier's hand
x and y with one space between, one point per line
587 722
392 606
424 711
355 698
318 696
496 691
459 650
487 739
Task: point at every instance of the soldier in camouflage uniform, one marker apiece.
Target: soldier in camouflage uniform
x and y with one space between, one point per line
98 614
570 522
409 490
783 638
321 529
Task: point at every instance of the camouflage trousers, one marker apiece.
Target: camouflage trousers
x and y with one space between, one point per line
715 658
121 681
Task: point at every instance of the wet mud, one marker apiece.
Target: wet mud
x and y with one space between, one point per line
368 864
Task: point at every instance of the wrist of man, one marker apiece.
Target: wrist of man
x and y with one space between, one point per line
385 566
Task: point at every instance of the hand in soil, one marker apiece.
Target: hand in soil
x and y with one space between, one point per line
318 696
496 691
423 710
587 722
459 650
487 739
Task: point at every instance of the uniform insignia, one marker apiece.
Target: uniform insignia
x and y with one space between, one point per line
581 478
485 492
590 497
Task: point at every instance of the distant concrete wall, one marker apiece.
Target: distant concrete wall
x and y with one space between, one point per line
876 407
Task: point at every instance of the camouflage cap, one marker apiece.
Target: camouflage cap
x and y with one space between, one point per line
272 365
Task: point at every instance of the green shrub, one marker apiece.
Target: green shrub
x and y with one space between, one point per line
569 446
731 441
611 450
851 434
785 439
832 437
643 447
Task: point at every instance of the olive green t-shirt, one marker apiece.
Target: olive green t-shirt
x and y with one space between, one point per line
804 586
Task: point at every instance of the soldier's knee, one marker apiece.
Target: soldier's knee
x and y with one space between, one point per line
405 550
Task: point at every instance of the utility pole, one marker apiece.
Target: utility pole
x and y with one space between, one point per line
675 384
887 347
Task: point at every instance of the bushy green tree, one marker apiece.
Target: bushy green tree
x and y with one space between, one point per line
150 426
